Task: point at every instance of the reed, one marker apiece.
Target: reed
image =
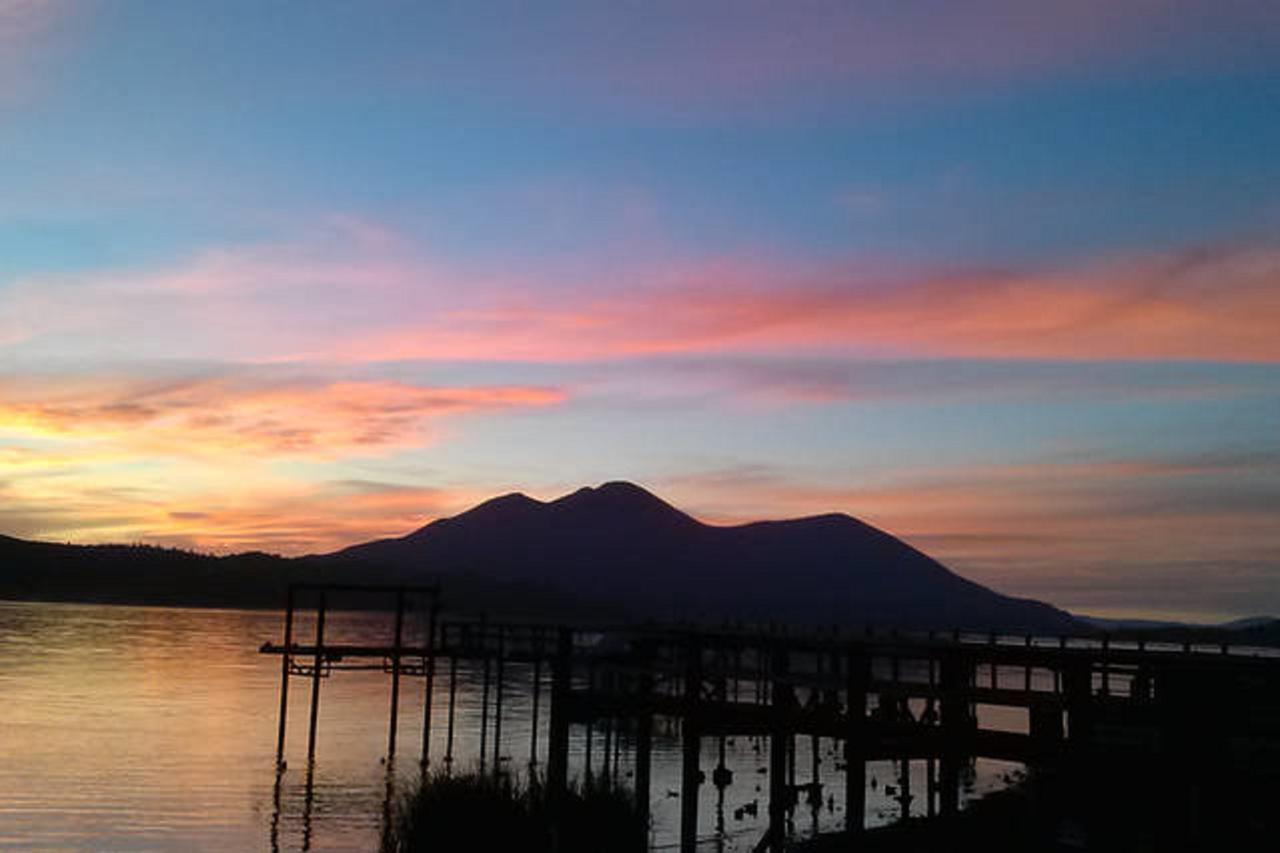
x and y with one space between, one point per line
476 811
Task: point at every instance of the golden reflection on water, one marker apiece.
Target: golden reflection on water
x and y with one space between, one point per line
139 728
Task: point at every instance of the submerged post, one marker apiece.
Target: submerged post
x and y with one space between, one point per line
644 745
643 773
606 768
857 675
779 741
429 667
497 707
484 704
690 779
395 675
537 697
317 664
453 706
691 742
955 727
558 736
285 660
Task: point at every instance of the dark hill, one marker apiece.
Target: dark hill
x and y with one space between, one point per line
615 551
620 543
141 574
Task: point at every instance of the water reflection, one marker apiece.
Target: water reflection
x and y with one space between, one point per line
131 728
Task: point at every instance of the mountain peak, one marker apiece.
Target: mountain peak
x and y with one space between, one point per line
618 499
619 544
502 508
615 490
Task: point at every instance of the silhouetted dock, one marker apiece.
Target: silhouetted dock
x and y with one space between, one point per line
893 696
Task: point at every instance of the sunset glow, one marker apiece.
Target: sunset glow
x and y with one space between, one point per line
291 282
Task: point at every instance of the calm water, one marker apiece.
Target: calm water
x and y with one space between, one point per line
135 728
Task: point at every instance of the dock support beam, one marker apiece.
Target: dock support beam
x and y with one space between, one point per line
955 726
857 677
429 668
484 706
497 705
644 748
453 710
558 725
689 784
779 749
558 736
691 773
286 660
395 677
317 664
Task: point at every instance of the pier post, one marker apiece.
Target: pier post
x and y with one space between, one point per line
286 660
1077 687
904 790
617 751
931 787
395 676
558 736
857 676
691 741
644 748
606 771
689 785
537 696
779 743
429 668
955 677
484 703
317 663
497 705
453 707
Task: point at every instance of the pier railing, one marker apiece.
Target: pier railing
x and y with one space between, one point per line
883 696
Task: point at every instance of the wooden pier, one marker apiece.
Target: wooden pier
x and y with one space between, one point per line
896 696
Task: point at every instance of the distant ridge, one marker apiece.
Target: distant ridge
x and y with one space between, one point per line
621 544
615 551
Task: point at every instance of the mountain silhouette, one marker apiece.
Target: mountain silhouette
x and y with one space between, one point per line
611 552
621 545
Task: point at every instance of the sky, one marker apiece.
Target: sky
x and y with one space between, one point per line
1001 277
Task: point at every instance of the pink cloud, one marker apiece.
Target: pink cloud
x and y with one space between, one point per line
250 513
222 417
361 295
1072 532
24 29
1220 305
733 54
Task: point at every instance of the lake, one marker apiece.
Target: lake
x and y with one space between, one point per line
149 728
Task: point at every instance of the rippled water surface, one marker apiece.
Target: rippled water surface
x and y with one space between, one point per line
138 728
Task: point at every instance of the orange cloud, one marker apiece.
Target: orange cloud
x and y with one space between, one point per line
251 510
364 297
23 27
217 416
1221 305
1075 532
300 519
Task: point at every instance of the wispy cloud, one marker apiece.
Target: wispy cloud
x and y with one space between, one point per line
1162 532
1210 305
229 416
361 299
778 380
253 511
24 24
735 55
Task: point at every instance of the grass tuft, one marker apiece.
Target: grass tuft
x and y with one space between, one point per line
476 811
